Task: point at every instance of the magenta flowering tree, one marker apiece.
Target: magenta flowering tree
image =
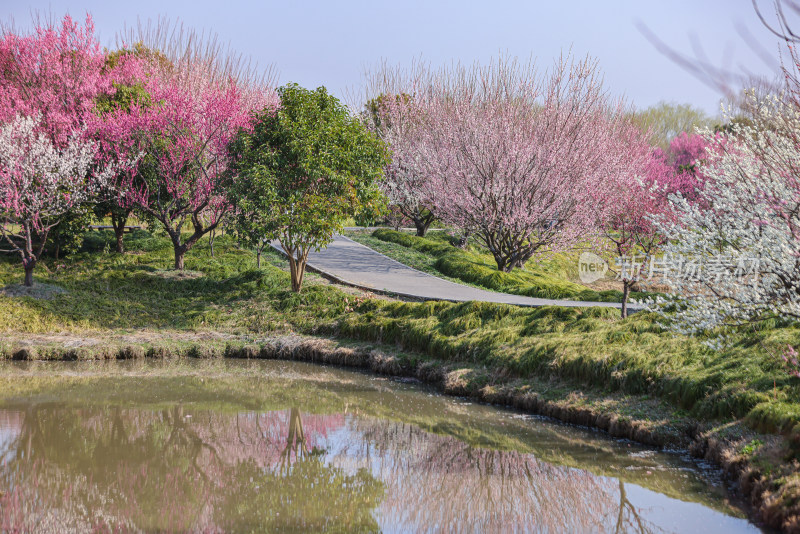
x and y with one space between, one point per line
520 159
193 110
55 73
684 156
116 133
687 150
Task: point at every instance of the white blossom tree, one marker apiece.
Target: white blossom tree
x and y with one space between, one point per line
394 118
39 184
735 258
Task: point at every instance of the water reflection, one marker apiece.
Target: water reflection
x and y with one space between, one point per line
169 470
438 483
180 468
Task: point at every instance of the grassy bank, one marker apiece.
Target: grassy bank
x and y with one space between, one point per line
629 370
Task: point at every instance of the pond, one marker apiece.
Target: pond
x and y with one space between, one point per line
231 446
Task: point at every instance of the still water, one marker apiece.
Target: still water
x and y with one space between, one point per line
241 446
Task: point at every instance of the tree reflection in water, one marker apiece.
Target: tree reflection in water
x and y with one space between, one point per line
123 469
438 483
135 470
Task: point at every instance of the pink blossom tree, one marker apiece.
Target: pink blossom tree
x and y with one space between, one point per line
640 190
50 81
405 185
56 72
685 155
116 133
198 101
518 158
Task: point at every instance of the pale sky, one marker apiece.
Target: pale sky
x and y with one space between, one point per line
331 43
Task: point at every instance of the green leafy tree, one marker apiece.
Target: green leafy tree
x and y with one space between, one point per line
666 120
302 172
66 237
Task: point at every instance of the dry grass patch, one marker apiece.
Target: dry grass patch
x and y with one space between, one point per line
38 291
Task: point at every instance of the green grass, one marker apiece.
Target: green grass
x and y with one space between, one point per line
137 290
590 348
542 278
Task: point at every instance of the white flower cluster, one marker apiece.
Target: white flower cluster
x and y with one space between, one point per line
748 213
39 181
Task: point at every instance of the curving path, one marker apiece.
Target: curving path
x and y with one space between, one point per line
352 263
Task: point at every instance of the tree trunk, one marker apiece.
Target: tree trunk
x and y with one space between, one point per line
626 289
258 257
120 248
463 240
297 269
118 222
211 242
179 253
298 257
504 263
422 222
28 265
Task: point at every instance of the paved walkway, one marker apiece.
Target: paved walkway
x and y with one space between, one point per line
354 264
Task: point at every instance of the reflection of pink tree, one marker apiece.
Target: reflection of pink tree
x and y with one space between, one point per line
118 469
438 480
142 470
629 519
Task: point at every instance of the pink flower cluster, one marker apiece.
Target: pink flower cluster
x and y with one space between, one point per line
56 73
790 360
682 165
